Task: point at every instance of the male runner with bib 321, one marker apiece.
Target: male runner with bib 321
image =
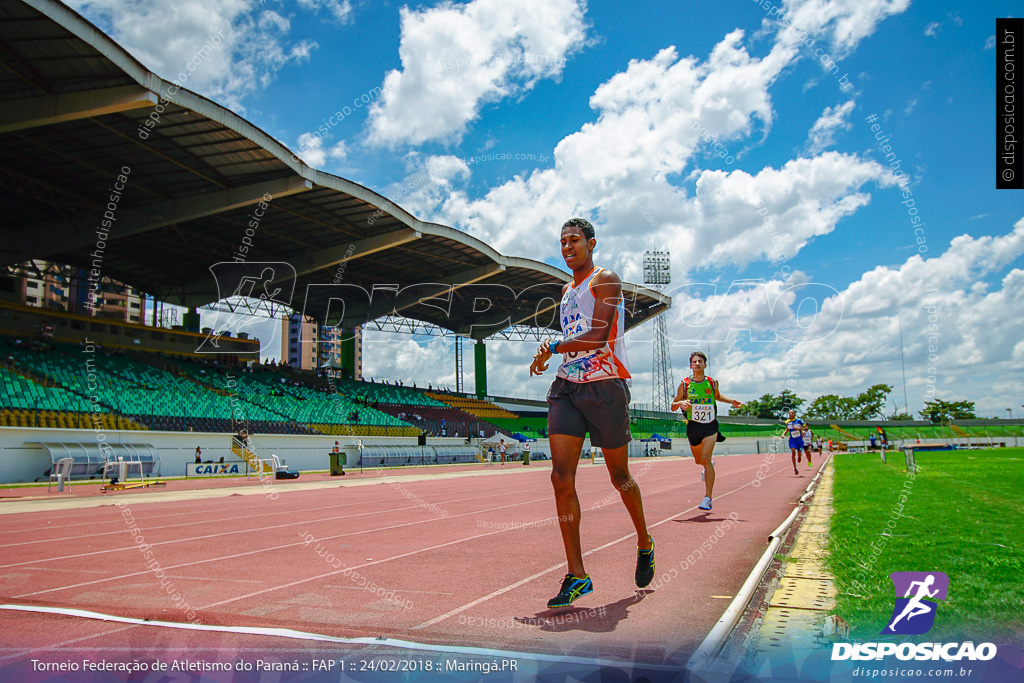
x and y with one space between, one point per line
697 396
590 394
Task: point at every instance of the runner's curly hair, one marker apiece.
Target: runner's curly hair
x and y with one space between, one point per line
583 224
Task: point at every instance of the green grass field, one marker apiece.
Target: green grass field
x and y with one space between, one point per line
962 514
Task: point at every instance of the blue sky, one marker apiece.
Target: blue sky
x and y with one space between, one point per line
585 109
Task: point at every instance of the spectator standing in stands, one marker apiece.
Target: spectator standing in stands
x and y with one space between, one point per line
590 394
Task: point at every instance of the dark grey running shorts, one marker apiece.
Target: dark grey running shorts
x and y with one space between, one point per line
601 408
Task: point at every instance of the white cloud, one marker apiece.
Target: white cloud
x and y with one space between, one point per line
942 305
822 135
932 29
393 356
338 152
660 117
958 336
841 23
430 181
233 47
310 148
804 199
342 11
457 58
672 117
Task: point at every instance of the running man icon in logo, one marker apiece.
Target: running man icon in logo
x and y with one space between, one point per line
914 614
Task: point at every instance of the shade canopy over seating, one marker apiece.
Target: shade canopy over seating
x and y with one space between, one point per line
90 456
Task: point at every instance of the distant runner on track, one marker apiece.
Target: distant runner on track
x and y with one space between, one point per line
590 394
795 427
698 397
808 443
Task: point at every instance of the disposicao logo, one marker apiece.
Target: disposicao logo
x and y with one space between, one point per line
914 614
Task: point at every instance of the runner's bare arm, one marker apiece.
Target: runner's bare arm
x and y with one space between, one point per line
680 401
540 359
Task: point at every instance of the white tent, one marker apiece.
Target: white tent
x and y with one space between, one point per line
496 439
331 364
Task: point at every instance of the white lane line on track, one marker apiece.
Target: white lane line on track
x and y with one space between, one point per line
319 576
215 505
302 635
57 506
291 545
313 578
235 532
560 565
205 522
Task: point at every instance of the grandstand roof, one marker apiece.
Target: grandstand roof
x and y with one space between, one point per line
74 102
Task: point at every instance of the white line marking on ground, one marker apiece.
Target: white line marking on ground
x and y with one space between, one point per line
560 565
302 635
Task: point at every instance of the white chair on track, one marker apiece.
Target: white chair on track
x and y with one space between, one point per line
62 473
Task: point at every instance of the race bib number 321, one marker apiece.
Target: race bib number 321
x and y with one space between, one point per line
703 413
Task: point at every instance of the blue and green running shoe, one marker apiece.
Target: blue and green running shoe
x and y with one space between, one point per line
572 588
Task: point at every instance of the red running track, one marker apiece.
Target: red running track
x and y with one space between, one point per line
469 557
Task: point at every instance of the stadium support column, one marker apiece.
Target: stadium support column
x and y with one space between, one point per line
190 320
480 368
348 354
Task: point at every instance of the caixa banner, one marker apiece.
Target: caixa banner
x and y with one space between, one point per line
216 469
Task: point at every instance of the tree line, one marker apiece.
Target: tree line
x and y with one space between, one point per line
867 405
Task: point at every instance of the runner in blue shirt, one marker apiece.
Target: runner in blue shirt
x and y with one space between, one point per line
795 427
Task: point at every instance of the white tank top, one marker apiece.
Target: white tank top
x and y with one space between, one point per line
577 315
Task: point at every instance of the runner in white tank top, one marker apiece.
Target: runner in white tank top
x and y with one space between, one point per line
577 312
590 396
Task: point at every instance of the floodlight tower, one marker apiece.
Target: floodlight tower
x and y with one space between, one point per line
658 274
